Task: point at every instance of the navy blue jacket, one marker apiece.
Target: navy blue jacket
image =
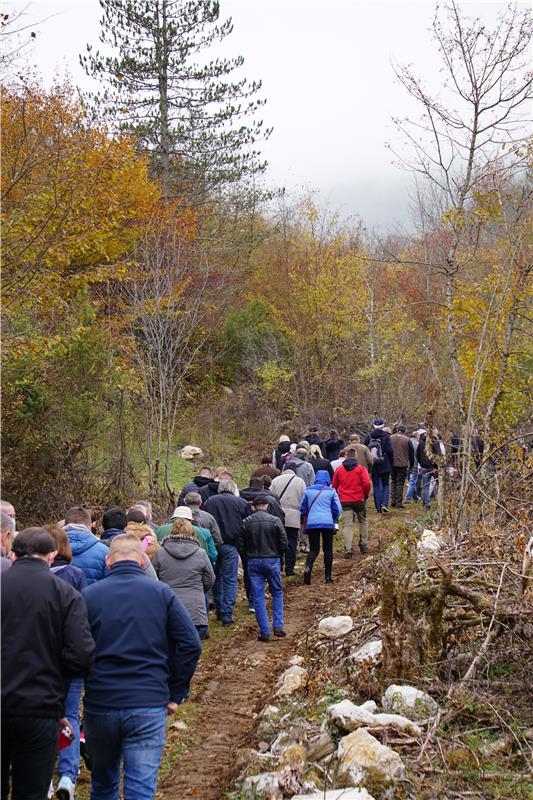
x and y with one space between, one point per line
229 511
147 647
386 447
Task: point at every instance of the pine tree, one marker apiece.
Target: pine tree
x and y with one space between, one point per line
198 123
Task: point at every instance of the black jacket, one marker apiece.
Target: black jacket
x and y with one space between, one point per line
194 486
229 511
46 640
422 457
332 448
209 490
384 466
282 449
274 507
321 463
262 536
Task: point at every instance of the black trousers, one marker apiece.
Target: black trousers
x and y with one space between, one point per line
314 548
29 747
398 476
290 555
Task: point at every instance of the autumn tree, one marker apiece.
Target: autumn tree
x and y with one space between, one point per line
196 118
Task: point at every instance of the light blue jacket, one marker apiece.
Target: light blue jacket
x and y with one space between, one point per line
321 503
88 553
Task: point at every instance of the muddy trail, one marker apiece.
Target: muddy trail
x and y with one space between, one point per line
237 680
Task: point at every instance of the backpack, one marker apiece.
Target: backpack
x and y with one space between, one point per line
376 449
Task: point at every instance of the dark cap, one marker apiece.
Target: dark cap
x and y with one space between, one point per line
261 499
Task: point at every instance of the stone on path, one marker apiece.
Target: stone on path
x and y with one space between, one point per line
335 627
362 757
264 786
291 681
346 716
410 701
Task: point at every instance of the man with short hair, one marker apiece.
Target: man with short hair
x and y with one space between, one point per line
7 530
147 649
301 466
211 488
146 506
88 552
202 518
402 460
262 541
204 477
7 508
46 642
229 512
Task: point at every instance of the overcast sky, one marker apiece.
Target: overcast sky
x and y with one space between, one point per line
327 73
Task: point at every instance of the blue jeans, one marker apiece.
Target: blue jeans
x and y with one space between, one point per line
134 735
412 486
225 588
426 487
381 489
260 571
68 762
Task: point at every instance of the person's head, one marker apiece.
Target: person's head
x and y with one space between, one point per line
351 452
35 543
125 547
333 433
136 514
379 423
193 499
146 504
77 515
401 429
260 502
205 472
302 452
267 481
289 468
283 438
315 451
7 530
313 429
227 486
304 444
421 432
266 459
223 474
256 483
61 539
7 508
114 517
182 512
355 438
342 453
415 435
183 527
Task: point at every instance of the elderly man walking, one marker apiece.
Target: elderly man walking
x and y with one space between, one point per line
146 653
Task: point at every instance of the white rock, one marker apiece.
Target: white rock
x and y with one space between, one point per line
269 711
336 794
335 627
410 701
189 452
429 543
291 681
371 651
362 757
369 705
264 786
296 661
347 716
180 726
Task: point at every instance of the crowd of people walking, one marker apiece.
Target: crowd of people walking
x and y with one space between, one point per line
115 608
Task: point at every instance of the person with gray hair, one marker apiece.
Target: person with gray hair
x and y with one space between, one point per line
202 518
301 466
7 530
229 510
146 506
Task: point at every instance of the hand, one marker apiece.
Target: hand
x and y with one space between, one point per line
172 708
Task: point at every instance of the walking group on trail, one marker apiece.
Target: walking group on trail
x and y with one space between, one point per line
117 620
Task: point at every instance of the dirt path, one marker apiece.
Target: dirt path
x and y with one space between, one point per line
237 680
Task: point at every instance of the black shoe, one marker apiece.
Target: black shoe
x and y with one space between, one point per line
363 548
263 638
348 554
329 579
279 632
218 615
307 577
226 623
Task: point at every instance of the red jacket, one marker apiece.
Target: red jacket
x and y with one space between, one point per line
351 482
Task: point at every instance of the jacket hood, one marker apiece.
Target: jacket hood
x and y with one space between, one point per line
322 478
139 529
181 547
378 433
295 462
201 480
110 534
213 485
284 447
350 463
81 540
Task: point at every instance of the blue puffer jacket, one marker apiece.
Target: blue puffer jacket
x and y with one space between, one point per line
88 553
326 508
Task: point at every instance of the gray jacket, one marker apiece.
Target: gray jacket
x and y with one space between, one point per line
303 469
184 565
291 497
206 520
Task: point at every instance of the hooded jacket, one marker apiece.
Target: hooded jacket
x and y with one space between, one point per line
88 552
229 511
46 640
274 507
302 468
281 450
262 536
147 647
209 490
382 467
184 565
74 576
351 481
332 448
195 485
321 503
289 488
319 463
